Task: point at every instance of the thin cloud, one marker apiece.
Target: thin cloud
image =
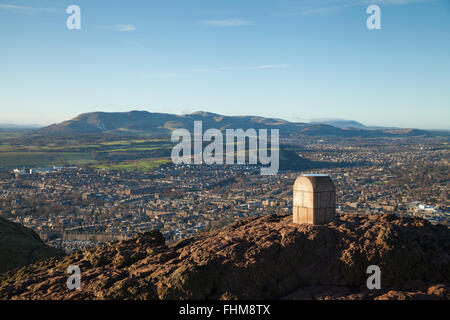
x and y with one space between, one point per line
120 27
12 7
261 67
316 11
227 23
169 75
342 5
395 2
272 66
213 69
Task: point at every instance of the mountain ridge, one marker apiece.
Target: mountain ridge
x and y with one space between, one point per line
144 122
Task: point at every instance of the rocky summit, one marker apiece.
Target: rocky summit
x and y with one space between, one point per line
259 258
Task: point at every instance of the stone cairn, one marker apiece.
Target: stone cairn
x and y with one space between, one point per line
314 199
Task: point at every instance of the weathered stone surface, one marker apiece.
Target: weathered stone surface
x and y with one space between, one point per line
314 200
260 258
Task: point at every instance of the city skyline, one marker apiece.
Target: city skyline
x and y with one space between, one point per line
292 60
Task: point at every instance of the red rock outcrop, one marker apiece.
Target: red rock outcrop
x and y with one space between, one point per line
259 258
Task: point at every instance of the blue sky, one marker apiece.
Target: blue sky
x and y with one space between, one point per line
296 60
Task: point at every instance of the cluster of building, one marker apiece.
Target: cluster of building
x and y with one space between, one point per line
74 208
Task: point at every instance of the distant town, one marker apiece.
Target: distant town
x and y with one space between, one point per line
74 207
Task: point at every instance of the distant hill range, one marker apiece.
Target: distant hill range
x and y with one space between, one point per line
349 124
18 127
145 123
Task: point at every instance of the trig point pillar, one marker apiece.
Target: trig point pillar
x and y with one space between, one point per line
314 199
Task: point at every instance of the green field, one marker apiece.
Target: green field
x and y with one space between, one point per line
5 147
78 158
26 159
132 149
123 142
117 154
139 165
70 147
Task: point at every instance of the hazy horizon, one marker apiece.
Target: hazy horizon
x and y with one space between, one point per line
5 124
